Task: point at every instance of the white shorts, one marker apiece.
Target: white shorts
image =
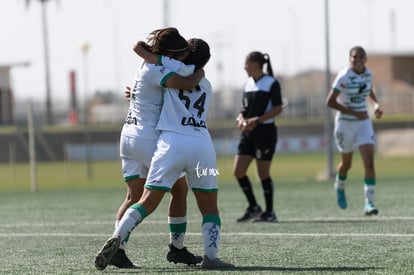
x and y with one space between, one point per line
350 134
136 154
177 153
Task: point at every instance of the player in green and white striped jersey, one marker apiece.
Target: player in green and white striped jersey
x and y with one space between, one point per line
353 127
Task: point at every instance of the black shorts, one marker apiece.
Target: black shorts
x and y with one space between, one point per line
259 143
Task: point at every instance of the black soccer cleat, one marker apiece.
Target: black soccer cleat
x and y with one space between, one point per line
182 255
121 260
106 253
266 217
251 213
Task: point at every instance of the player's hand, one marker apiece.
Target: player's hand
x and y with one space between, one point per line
200 72
241 123
249 124
127 93
378 113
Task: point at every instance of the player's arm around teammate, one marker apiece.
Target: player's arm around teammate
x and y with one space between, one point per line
176 81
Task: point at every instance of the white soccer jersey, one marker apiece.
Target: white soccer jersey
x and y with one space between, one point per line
185 112
176 66
353 90
139 136
146 101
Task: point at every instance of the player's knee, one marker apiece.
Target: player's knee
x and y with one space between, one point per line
369 165
345 166
179 191
238 173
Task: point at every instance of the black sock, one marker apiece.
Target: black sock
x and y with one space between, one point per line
246 186
267 185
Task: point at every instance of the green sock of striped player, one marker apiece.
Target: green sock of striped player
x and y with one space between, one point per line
178 227
211 229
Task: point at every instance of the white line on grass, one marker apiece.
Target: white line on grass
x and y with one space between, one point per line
320 219
342 219
371 235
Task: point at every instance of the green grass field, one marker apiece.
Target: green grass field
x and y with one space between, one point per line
59 229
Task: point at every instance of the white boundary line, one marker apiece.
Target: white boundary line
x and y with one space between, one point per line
261 234
197 220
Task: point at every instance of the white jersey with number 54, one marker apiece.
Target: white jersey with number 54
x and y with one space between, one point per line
185 112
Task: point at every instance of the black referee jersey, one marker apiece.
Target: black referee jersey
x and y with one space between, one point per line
260 96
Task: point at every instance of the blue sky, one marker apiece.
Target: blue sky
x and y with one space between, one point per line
291 31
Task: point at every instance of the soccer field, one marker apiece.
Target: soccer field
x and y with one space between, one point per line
59 231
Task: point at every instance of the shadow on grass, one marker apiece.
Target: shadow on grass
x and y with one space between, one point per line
185 269
367 220
302 269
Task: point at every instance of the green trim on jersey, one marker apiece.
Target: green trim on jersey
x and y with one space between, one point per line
212 218
158 188
205 190
132 177
165 78
348 119
180 227
355 107
353 86
159 58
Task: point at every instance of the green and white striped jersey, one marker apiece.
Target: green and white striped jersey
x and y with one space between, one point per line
353 91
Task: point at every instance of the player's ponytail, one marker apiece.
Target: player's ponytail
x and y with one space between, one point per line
268 64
